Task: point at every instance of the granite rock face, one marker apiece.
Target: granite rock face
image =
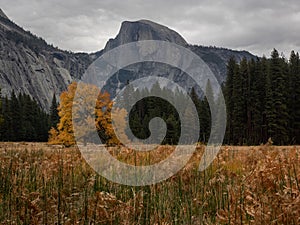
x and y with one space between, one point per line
144 30
2 14
215 58
29 65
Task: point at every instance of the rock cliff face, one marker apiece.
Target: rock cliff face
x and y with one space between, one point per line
2 14
215 58
29 65
144 30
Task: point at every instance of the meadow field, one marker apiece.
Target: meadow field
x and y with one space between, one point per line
46 184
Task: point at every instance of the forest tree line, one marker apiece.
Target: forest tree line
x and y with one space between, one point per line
262 101
22 119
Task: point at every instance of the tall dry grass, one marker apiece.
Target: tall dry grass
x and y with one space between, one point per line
41 184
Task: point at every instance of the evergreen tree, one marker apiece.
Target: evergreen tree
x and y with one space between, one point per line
207 107
7 127
30 119
150 107
256 102
15 116
264 90
220 117
270 111
294 97
53 117
262 99
232 68
239 103
201 114
279 87
173 134
24 120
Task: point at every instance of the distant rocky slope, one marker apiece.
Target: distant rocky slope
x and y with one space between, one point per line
144 30
2 14
215 58
29 65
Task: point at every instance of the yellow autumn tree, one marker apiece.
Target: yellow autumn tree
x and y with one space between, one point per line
104 121
119 122
64 133
89 113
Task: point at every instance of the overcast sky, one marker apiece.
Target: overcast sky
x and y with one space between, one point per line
86 25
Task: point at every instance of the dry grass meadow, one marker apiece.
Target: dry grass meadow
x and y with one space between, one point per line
42 184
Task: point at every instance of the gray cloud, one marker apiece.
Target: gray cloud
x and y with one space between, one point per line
77 25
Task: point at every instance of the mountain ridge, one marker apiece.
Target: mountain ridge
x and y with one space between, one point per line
2 14
31 66
131 31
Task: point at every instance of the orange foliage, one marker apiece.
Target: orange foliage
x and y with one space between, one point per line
98 117
64 133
